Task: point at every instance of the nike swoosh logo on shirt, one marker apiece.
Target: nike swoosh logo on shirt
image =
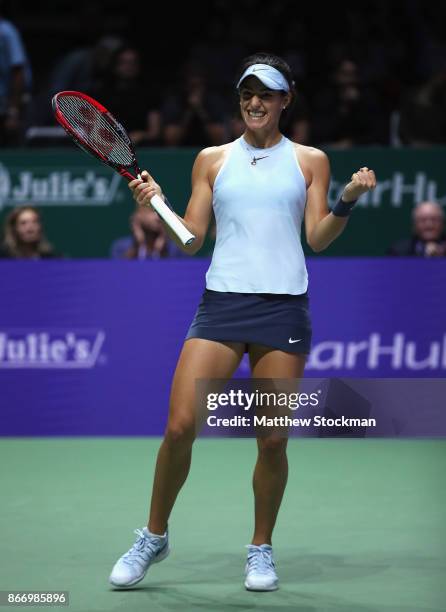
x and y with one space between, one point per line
291 341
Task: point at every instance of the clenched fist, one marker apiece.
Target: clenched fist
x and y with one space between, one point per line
362 181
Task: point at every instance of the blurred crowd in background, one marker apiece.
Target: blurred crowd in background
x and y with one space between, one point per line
372 73
24 236
366 74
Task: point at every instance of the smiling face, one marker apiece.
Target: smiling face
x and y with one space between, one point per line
261 107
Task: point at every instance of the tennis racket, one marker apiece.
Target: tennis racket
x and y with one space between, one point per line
97 132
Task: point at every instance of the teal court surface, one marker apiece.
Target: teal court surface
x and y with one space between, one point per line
362 527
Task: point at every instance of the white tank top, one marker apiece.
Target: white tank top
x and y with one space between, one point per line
259 211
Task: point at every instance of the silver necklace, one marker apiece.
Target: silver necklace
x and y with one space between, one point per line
254 159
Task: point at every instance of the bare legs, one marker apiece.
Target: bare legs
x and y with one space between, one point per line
271 470
199 359
207 359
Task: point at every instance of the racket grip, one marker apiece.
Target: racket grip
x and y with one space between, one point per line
172 220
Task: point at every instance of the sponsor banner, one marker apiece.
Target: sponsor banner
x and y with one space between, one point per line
43 179
49 187
322 408
29 348
90 348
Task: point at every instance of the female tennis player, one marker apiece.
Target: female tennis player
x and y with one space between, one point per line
261 187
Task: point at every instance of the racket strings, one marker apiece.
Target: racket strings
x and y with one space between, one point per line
90 124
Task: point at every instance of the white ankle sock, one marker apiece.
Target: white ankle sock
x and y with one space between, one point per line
154 535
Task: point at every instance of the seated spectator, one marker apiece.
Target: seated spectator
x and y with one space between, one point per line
347 113
24 237
82 69
149 239
428 238
423 117
130 98
193 116
15 83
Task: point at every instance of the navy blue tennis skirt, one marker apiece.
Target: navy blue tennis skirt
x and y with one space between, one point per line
276 320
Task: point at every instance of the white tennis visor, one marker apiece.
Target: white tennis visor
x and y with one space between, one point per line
269 76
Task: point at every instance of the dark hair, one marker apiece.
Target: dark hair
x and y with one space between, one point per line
262 57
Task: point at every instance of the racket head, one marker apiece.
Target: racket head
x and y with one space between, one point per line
95 130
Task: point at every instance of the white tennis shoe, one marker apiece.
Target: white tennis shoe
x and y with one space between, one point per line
133 565
260 569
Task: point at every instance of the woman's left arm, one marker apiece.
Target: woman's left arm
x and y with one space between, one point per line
321 225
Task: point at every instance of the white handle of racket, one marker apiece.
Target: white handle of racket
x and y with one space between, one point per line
172 220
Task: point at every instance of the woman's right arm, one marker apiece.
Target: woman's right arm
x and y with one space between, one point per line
199 209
